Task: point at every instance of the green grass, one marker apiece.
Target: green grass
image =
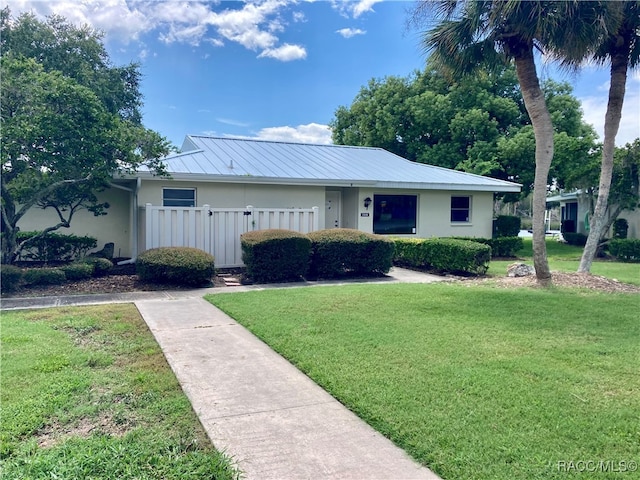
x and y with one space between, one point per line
87 393
566 258
473 381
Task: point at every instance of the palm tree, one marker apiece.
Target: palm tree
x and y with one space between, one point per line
473 32
488 32
621 47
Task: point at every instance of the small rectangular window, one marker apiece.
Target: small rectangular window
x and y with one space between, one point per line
178 197
394 214
461 209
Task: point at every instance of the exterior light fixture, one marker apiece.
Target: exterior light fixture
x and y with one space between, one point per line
367 202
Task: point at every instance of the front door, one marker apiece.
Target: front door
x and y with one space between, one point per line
332 217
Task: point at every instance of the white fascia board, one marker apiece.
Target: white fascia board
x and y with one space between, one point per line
190 177
507 188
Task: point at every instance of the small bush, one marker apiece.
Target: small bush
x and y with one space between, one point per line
77 271
443 254
44 276
576 239
339 251
10 278
176 265
55 247
275 255
625 249
506 226
101 266
620 228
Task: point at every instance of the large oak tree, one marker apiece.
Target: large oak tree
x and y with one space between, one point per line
71 123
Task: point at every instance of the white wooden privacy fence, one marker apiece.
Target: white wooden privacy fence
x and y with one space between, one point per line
217 230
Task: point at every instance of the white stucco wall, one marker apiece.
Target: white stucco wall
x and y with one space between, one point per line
113 227
434 213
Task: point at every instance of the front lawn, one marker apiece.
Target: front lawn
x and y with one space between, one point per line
87 393
566 258
475 382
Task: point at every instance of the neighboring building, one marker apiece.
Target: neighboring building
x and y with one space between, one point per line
364 188
575 208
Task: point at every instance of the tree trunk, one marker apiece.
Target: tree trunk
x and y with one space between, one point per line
536 106
619 62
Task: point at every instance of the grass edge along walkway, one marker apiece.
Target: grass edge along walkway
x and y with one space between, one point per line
472 381
87 393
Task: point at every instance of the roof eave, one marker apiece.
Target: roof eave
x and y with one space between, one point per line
193 177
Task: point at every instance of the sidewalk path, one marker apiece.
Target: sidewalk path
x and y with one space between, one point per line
268 416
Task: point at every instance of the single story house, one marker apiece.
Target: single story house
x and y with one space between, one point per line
244 183
575 208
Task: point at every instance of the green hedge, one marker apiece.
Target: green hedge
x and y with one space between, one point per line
506 226
10 278
101 266
55 247
575 239
501 246
176 265
275 255
44 276
339 251
625 249
443 254
77 271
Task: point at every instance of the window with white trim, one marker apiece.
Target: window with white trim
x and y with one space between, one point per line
460 209
178 197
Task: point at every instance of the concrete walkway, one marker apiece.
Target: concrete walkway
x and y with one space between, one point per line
269 417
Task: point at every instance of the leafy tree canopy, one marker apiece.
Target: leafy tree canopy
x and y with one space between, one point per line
70 122
476 124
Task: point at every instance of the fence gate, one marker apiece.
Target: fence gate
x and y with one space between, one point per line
217 230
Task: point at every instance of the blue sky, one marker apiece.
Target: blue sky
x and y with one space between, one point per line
274 69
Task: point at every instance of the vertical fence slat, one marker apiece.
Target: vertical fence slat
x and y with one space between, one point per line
218 230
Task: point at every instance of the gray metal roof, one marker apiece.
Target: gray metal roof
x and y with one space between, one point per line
256 161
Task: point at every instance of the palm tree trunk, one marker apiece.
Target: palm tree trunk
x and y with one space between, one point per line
536 106
619 63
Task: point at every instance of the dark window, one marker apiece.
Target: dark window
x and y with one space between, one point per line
460 209
394 213
178 197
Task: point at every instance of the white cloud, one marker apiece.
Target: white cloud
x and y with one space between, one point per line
352 8
310 133
299 17
235 123
364 6
594 108
350 32
285 53
254 24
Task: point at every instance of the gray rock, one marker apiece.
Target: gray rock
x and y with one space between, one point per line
520 270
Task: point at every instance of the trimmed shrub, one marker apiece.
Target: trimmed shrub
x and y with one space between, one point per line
176 265
506 226
77 271
576 239
500 247
10 277
101 266
443 254
339 251
55 247
625 249
275 255
620 228
44 276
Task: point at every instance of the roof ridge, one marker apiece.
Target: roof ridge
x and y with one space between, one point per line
261 140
